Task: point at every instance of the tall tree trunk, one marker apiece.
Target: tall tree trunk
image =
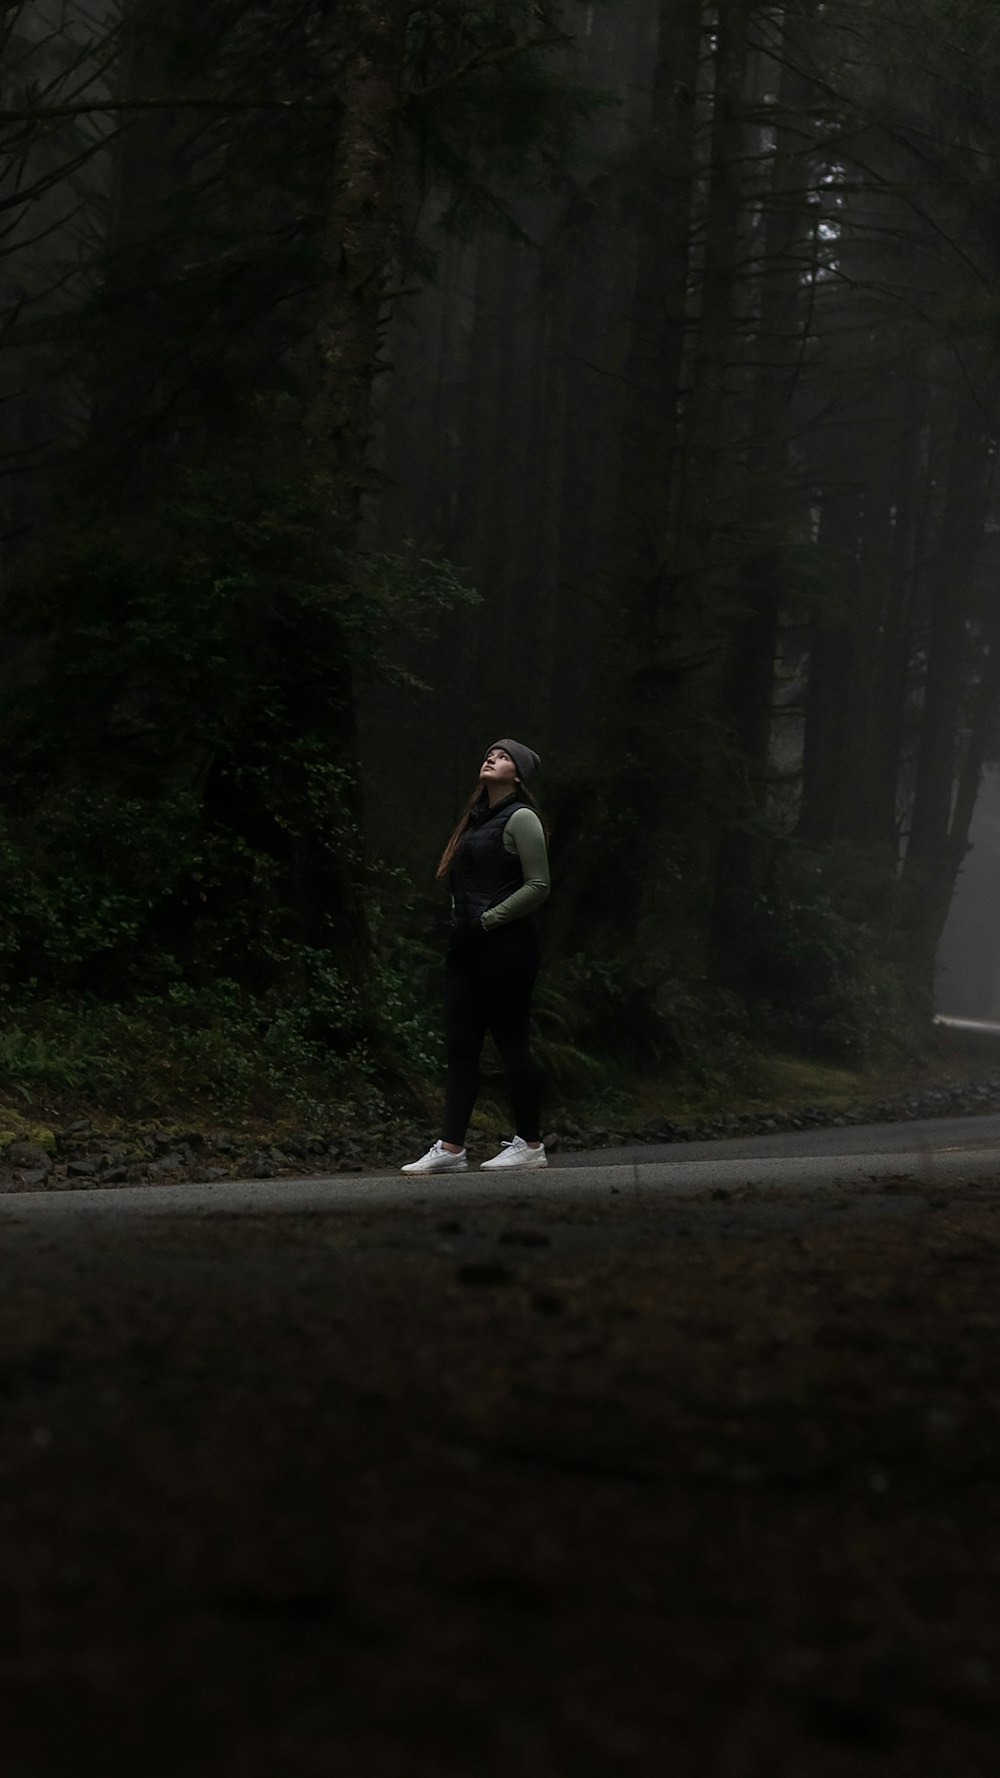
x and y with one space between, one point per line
981 739
859 660
869 811
932 857
687 610
338 425
150 168
827 788
356 248
664 565
894 641
748 684
657 330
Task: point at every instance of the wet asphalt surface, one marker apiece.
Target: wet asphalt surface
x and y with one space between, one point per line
520 1484
926 1135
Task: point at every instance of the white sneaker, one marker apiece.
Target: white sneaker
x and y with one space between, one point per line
438 1160
517 1154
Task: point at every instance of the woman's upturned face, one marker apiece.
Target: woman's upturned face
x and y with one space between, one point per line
498 768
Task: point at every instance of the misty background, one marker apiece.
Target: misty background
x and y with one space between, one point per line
620 377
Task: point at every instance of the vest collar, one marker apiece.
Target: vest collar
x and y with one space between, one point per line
481 815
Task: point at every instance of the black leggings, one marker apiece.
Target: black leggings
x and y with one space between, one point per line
487 987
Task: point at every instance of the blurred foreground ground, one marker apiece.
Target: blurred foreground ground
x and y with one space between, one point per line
529 1490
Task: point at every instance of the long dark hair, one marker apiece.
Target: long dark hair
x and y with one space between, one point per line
479 795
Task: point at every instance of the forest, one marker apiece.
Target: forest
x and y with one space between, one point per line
383 378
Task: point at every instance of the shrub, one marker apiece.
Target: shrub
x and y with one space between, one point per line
829 970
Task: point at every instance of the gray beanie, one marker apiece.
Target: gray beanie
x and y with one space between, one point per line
526 761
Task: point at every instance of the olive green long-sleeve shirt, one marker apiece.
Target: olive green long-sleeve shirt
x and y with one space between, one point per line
525 836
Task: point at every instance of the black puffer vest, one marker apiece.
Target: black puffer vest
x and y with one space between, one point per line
482 873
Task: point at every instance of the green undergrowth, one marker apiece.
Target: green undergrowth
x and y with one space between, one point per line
180 1059
177 1055
793 1083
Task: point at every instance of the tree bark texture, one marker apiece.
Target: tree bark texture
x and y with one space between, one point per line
702 480
786 249
356 251
658 329
871 534
662 606
936 845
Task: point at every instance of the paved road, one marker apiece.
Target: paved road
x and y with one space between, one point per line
611 1471
932 1151
921 1134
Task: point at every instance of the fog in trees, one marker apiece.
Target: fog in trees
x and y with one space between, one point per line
380 382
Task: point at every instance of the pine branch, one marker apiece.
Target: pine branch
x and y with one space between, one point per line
96 107
484 58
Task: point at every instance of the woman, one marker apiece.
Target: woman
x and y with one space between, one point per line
498 869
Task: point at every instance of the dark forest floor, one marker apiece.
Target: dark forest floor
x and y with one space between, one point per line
526 1491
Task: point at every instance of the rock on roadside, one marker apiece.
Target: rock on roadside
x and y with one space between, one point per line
28 1154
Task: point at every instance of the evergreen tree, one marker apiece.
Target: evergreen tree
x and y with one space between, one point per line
253 205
